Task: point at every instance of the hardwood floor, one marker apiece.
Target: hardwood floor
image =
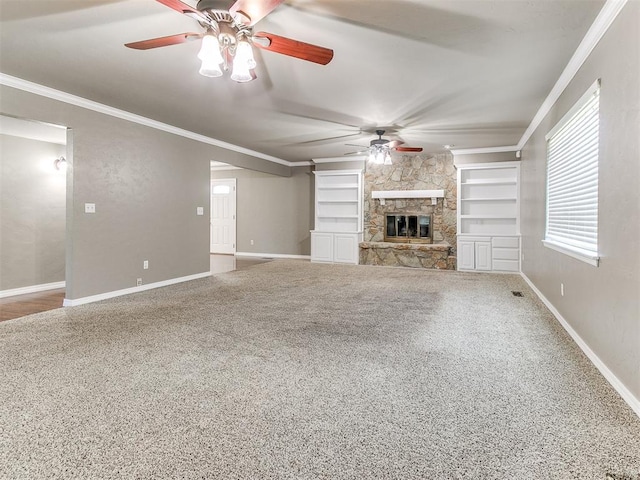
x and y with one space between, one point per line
21 305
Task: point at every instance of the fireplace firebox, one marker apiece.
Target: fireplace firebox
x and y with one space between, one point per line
408 228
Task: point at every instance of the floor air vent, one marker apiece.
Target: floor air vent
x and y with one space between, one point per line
517 294
613 476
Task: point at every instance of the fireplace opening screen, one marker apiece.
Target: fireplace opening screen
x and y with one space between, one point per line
408 228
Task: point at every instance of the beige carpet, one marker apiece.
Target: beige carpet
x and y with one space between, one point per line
292 370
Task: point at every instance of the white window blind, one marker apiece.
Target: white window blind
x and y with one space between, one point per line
572 180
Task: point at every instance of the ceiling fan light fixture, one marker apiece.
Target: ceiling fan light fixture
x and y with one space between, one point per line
210 69
241 73
244 53
210 56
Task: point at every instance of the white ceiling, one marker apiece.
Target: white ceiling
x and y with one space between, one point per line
471 73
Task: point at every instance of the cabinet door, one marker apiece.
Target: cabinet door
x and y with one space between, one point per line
483 255
345 248
321 247
466 255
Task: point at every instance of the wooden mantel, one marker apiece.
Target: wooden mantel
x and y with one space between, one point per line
384 194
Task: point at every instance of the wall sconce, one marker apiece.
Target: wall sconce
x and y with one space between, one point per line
60 164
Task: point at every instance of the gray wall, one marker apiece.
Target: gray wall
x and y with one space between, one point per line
275 212
32 213
146 185
601 304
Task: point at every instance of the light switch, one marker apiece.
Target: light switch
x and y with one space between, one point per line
200 211
89 208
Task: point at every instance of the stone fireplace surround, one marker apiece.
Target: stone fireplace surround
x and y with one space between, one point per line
410 173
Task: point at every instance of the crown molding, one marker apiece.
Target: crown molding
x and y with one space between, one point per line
354 158
601 24
471 151
52 93
300 164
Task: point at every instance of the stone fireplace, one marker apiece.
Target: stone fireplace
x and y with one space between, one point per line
430 202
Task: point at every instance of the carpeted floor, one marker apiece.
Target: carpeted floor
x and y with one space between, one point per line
293 370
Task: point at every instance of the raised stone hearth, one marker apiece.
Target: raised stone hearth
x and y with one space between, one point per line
417 255
411 173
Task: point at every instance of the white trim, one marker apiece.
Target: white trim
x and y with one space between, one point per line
337 172
31 289
597 30
355 158
473 151
126 291
583 256
300 164
493 165
224 169
619 387
273 255
65 97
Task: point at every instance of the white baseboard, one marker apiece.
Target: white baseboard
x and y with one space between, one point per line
126 291
624 392
31 289
273 255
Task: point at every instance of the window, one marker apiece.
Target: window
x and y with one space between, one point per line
221 189
572 180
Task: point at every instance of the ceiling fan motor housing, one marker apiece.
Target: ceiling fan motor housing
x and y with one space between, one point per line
379 140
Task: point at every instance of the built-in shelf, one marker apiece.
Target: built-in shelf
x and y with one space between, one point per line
488 217
489 199
337 187
338 216
489 182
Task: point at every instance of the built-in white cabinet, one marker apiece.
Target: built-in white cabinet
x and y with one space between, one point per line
338 216
489 217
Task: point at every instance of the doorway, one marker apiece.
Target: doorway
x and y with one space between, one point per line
223 216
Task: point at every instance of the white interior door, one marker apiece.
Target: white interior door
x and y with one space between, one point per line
223 216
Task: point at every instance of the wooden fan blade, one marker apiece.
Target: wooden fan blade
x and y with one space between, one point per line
254 10
181 7
408 149
163 41
395 143
294 48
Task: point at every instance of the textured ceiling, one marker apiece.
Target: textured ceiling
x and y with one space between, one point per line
468 73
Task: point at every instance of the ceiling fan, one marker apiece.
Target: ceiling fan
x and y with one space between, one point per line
379 149
229 36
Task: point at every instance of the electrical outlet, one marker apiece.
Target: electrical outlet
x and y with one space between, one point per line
89 208
562 289
199 210
251 242
145 264
138 282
